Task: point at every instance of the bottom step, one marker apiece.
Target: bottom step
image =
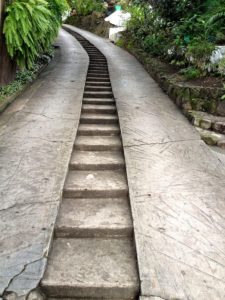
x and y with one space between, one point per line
91 268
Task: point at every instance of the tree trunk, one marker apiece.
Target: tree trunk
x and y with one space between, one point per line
7 65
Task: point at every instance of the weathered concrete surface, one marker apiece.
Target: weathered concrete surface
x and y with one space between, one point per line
104 268
103 217
176 188
36 139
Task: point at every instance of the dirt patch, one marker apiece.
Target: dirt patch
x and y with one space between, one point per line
208 81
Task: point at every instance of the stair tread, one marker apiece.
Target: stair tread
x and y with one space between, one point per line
98 129
91 268
99 88
94 218
98 107
97 158
96 184
96 83
98 94
98 140
99 100
98 116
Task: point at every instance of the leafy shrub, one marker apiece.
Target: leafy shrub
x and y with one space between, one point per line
183 32
30 27
153 44
24 76
86 7
199 53
191 73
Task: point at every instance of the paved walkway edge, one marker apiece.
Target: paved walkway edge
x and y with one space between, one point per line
37 133
176 187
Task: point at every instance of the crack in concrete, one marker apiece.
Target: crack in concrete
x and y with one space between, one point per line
6 290
160 143
26 203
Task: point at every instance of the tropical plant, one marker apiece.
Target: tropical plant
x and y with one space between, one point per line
199 52
86 7
30 27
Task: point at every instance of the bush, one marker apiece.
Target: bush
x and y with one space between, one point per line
86 7
30 27
183 32
191 73
199 52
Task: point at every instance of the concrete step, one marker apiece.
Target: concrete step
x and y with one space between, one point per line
95 184
91 268
91 218
97 160
94 83
89 88
98 143
102 72
98 109
98 129
98 94
99 73
98 79
98 61
95 56
98 66
100 101
98 119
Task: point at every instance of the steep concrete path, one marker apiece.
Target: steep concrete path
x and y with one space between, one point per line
93 254
176 187
37 134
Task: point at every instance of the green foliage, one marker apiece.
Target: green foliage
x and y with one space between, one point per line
223 97
191 73
184 32
30 27
199 52
120 43
25 76
86 7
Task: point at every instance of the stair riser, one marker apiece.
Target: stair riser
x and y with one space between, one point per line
93 233
93 83
98 121
91 292
98 95
95 56
99 68
98 132
98 111
98 79
97 147
99 102
98 89
98 65
100 71
92 167
98 74
94 193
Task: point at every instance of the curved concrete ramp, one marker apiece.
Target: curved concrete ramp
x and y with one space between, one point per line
36 138
177 187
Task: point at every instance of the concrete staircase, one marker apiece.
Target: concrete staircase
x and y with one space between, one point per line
93 253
